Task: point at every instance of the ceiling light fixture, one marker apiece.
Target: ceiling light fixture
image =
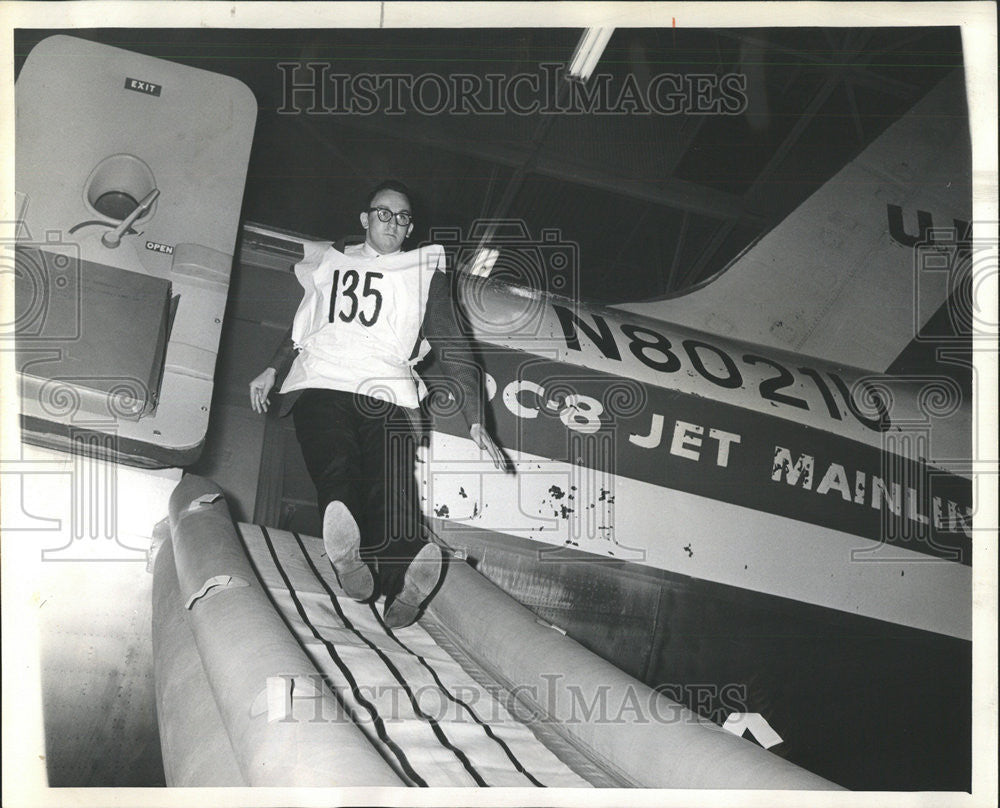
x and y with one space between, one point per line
588 52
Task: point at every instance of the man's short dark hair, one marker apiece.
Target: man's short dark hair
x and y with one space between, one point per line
389 185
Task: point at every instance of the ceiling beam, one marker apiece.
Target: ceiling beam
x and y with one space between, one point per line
516 181
689 131
678 251
859 74
670 192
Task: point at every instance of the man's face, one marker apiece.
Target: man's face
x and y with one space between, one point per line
386 237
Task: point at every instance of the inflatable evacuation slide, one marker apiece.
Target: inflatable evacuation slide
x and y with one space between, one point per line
266 676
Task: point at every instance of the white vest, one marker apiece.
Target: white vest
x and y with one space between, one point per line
360 319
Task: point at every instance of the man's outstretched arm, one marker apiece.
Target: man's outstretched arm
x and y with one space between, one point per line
274 374
446 331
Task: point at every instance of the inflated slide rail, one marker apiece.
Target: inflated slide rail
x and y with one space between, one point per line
184 694
635 731
265 676
248 654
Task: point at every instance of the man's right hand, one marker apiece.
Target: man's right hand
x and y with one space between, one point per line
260 388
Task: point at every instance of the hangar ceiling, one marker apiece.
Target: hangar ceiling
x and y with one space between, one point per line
655 199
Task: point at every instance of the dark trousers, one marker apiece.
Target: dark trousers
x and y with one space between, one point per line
361 451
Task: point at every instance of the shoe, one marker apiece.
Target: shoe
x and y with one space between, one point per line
342 540
421 576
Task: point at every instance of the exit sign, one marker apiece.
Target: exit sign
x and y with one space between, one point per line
146 87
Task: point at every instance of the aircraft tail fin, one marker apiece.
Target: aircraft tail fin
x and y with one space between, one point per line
858 269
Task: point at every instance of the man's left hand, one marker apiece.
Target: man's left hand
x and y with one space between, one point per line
485 442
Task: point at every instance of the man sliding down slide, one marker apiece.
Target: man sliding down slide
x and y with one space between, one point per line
349 364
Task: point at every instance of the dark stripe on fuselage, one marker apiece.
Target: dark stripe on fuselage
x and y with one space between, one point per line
724 452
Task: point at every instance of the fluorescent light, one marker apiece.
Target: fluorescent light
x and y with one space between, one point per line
588 52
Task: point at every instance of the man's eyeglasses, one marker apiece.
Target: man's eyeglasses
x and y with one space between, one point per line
403 218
